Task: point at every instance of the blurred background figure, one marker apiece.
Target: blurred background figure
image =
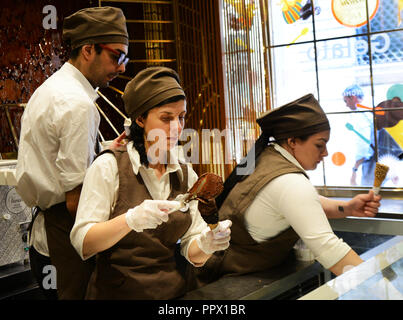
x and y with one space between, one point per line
361 125
390 132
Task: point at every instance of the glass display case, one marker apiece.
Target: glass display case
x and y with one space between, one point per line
378 278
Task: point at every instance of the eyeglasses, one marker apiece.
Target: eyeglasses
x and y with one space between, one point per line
121 57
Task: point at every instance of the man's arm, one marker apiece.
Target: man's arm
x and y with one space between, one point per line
72 198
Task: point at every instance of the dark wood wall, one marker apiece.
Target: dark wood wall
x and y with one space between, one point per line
29 54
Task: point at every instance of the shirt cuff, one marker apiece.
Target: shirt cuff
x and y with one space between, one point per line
77 239
184 252
333 254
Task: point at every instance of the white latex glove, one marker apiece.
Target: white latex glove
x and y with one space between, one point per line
210 241
149 214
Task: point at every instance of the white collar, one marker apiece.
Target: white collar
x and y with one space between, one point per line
76 74
287 155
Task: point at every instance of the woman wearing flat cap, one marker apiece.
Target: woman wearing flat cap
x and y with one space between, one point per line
124 211
275 204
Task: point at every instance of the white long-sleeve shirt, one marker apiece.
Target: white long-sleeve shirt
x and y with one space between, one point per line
58 134
100 191
291 200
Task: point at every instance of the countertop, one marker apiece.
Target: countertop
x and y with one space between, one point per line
379 277
260 285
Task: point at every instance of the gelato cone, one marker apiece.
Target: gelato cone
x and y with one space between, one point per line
380 174
209 212
209 187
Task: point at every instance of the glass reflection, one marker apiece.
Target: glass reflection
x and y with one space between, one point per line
378 278
389 123
295 73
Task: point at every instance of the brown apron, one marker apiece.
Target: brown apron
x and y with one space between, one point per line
72 272
142 265
244 254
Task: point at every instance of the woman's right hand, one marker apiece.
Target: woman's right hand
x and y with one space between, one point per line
149 214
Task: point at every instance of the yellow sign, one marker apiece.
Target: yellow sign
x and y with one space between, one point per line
353 13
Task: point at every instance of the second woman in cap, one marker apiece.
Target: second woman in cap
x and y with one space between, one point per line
276 204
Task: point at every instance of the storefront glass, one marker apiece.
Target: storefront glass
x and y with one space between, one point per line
349 54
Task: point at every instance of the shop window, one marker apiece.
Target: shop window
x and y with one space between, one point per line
245 73
349 54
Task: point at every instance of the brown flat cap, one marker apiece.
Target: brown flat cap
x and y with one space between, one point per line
149 88
95 25
295 119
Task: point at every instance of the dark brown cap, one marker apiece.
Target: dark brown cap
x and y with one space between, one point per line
149 88
95 25
301 117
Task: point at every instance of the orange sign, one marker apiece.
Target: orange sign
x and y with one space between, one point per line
338 158
353 13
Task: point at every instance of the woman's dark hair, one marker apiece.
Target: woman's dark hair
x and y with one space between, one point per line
302 138
75 52
137 132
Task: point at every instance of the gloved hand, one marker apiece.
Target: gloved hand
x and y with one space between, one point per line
149 214
210 241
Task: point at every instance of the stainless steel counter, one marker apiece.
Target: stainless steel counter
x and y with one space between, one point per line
17 282
260 285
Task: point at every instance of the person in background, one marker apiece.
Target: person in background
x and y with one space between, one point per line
362 126
392 121
59 140
390 132
276 204
124 215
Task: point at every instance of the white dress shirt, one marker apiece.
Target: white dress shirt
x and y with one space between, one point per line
58 134
291 200
100 191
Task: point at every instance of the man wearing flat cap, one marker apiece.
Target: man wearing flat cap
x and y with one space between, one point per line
275 204
59 141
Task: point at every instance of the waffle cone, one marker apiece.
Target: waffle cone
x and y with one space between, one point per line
380 174
213 226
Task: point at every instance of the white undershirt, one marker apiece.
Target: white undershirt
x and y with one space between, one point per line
291 200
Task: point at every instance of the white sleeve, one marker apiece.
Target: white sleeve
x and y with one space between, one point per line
298 201
76 125
198 224
97 199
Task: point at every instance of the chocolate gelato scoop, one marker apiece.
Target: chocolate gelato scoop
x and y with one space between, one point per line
207 188
208 211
